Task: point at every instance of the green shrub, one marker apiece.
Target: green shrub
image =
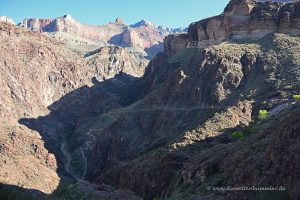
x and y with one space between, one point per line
296 97
289 87
263 114
237 135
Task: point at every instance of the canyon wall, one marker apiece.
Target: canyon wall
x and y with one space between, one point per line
142 35
241 20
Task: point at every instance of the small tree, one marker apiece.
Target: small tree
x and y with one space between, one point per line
263 114
296 97
237 135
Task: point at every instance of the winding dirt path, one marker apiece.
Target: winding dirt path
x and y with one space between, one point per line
68 157
85 163
278 108
87 146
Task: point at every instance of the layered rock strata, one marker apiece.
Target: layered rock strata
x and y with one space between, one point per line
241 20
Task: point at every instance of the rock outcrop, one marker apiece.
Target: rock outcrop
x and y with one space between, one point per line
37 71
191 102
35 23
35 57
72 27
142 35
111 60
241 20
25 161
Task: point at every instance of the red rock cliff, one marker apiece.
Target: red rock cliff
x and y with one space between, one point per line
241 19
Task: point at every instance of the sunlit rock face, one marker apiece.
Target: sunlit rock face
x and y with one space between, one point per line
242 19
142 35
24 160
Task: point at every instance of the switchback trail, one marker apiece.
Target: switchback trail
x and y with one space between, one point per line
87 146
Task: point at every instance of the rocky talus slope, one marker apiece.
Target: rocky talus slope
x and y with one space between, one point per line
190 126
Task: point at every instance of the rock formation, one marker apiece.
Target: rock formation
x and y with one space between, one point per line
111 60
25 161
142 35
241 20
190 101
35 72
187 127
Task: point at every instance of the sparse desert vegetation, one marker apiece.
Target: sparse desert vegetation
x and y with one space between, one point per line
296 97
238 135
263 114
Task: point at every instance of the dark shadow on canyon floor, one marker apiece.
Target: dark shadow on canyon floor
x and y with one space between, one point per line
75 107
86 103
80 106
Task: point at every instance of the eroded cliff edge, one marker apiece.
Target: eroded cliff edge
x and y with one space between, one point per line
242 20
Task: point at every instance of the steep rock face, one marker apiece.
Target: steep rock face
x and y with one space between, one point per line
142 35
111 60
175 43
67 29
69 25
187 103
36 71
25 161
31 59
217 78
242 19
36 58
35 24
273 149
